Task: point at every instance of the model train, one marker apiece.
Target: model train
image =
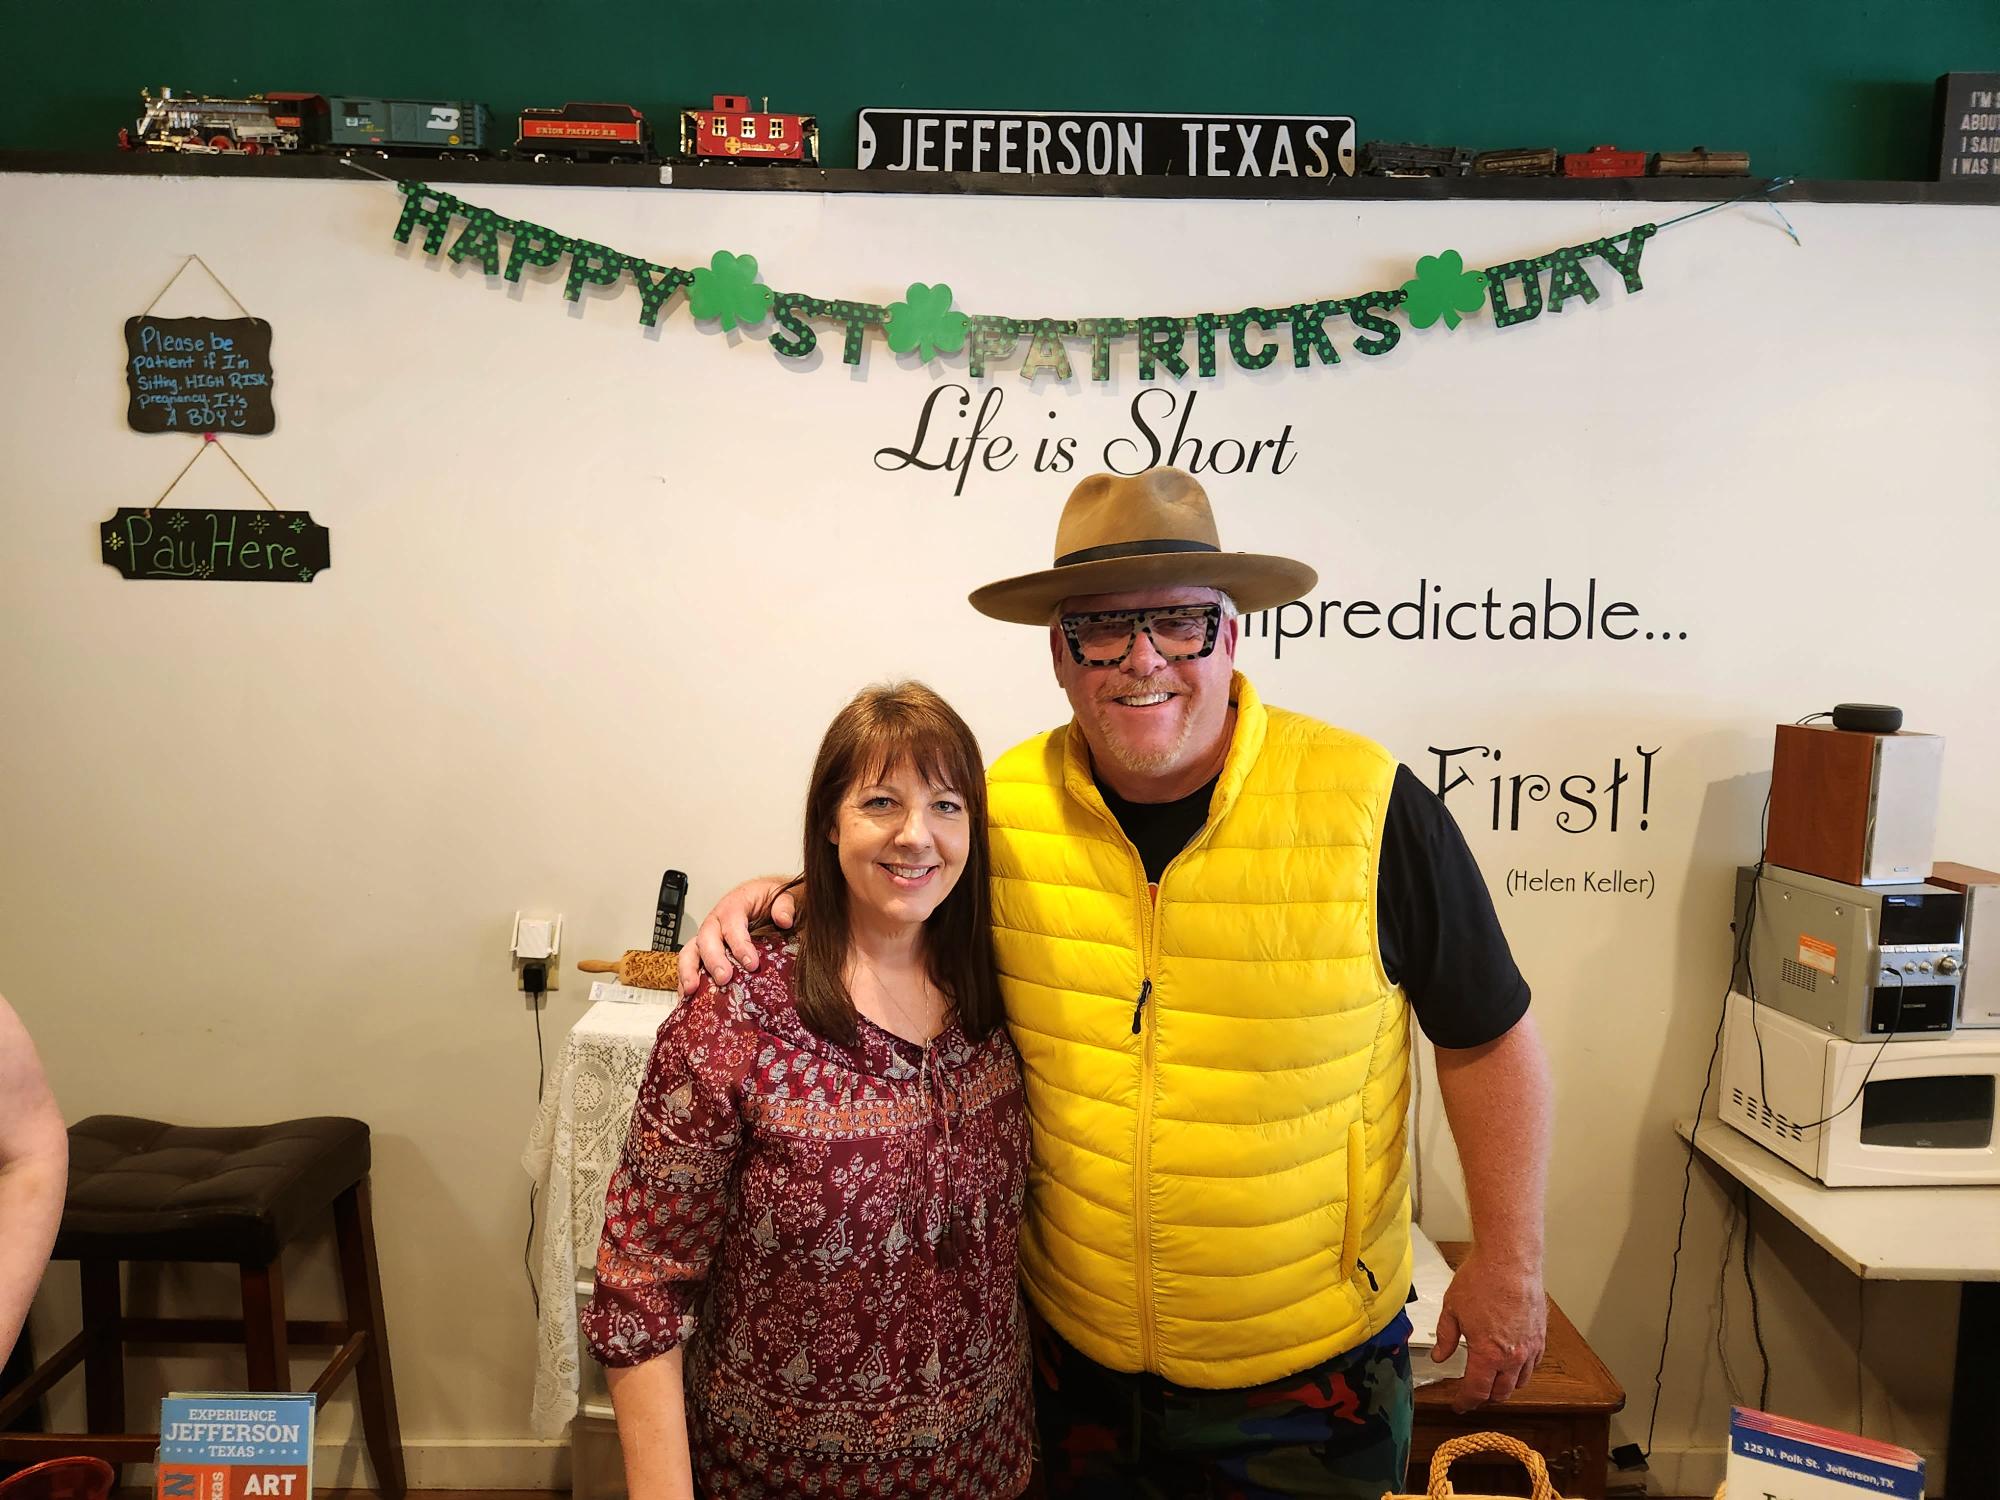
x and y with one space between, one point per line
452 129
1401 159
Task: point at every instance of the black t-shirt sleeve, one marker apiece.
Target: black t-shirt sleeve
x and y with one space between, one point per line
1441 938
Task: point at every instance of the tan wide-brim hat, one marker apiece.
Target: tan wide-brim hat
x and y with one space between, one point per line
1149 530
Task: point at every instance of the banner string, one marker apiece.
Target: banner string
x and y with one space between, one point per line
209 439
348 161
197 260
1776 184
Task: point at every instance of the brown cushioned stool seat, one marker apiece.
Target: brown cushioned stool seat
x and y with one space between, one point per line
145 1190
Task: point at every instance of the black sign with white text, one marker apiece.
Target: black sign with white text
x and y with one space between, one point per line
1039 144
1968 107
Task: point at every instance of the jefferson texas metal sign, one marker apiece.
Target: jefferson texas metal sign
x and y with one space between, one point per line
1043 143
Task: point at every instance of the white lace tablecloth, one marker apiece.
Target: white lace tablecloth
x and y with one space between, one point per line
571 1154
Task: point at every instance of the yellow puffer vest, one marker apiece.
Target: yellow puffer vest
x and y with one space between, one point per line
1217 1191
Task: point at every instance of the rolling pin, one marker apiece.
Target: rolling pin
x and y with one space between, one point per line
642 968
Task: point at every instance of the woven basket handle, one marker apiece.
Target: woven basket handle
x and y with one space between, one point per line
1456 1448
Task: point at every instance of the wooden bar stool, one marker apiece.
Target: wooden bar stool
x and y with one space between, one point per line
141 1190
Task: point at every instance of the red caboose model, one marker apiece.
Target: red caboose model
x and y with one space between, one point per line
1604 161
731 130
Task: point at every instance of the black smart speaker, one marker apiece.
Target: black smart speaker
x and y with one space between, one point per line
1868 718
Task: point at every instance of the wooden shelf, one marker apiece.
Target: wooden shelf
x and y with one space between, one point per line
732 177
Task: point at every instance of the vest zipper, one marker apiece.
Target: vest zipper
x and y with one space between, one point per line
1142 1145
1148 1020
1142 1024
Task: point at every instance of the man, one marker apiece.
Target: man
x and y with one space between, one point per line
34 1174
1212 919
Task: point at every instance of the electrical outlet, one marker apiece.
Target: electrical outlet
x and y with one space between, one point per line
538 940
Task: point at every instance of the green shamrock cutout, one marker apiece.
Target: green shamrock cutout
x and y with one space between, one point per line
727 288
1442 288
924 322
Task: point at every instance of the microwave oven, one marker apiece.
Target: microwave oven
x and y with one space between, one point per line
1916 1112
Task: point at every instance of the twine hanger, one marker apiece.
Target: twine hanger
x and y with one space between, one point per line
196 260
207 439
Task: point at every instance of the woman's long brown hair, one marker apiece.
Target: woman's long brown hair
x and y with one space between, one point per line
885 727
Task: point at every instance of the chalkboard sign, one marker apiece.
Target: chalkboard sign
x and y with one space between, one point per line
199 374
243 546
1968 107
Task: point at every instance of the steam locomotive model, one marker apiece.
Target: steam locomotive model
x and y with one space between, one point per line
196 123
447 129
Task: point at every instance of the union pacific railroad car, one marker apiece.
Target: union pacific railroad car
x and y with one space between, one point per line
730 130
586 132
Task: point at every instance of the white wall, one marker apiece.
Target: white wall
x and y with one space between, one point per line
595 593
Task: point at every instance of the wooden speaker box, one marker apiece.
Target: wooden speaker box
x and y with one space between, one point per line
1855 807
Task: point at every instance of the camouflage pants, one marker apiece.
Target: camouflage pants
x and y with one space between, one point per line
1340 1430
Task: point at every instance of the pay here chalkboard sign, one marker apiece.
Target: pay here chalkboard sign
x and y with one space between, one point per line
229 546
199 375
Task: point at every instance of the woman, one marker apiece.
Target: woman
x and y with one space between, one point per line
806 1282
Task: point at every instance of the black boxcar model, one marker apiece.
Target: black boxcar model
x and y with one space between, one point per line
427 127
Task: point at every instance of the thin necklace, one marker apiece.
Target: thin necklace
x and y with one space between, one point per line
901 1014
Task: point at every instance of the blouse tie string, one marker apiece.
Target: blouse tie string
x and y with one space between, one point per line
940 1091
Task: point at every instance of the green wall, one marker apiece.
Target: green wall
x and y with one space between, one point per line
1814 88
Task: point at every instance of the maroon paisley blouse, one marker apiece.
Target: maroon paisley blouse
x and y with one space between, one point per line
831 1231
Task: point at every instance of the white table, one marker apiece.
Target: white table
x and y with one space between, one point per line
572 1152
1901 1234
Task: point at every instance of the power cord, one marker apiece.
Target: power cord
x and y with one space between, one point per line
1895 1025
1756 1317
1729 1376
1860 1341
535 980
1749 1277
1626 1457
